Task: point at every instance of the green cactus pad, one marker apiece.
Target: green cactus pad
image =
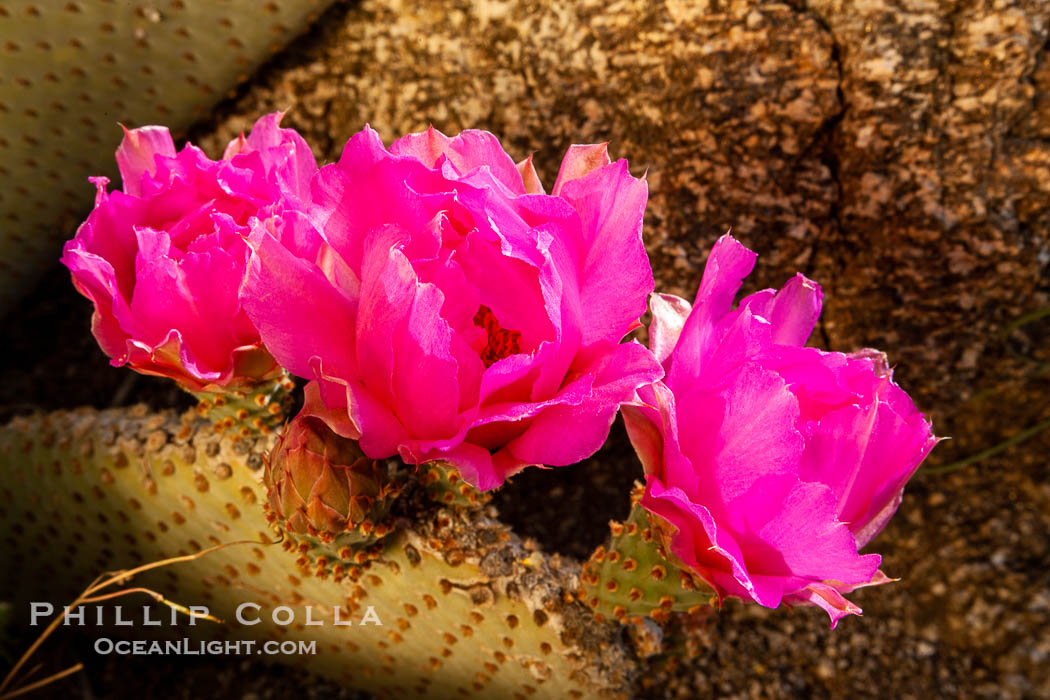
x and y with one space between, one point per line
466 609
444 484
634 575
71 70
249 413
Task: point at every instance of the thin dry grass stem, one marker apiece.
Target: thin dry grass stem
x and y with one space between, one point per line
90 595
1025 320
42 683
32 672
155 596
125 574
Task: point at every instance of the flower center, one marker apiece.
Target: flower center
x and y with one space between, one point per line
501 342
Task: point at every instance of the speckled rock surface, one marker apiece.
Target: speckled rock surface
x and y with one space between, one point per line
897 152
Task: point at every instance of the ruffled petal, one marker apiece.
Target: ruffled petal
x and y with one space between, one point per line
404 345
866 454
369 188
298 313
828 598
789 528
615 275
283 152
727 266
468 151
736 436
579 161
529 178
669 315
698 541
644 431
136 155
474 463
352 411
95 278
565 433
197 295
506 273
795 311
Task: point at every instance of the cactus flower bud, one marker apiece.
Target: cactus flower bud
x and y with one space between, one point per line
323 485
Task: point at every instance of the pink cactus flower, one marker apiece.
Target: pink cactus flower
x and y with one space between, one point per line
446 308
163 261
771 463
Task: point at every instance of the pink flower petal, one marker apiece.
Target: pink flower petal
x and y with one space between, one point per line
828 598
669 315
475 464
509 285
867 455
284 154
727 266
741 434
580 160
466 152
795 311
792 531
643 429
167 297
352 411
136 155
315 321
529 178
700 544
568 432
94 277
615 275
365 189
403 354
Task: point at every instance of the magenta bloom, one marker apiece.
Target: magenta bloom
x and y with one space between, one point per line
772 462
163 261
448 309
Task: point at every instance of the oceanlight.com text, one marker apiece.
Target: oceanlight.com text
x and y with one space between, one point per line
188 647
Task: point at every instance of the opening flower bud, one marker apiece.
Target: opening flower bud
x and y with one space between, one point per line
323 485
